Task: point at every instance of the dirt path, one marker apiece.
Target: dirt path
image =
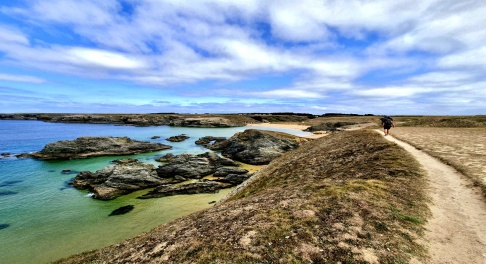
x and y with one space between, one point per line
456 231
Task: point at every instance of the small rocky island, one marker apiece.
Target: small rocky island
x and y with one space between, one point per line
257 147
85 147
131 175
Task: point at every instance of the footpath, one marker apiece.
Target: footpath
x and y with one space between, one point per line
456 231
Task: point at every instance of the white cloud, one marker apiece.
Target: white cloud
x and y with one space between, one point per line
469 58
20 78
85 12
106 59
287 93
8 36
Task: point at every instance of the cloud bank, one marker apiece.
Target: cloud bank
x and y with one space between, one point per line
398 57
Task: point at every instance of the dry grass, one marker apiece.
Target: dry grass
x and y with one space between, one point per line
351 197
462 148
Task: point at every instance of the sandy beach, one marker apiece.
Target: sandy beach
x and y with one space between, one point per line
290 126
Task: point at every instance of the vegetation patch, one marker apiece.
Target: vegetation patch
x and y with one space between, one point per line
329 126
350 197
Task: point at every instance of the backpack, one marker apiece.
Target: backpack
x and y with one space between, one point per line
388 121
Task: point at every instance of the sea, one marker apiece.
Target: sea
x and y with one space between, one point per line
43 218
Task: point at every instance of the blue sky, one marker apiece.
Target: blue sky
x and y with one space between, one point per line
222 56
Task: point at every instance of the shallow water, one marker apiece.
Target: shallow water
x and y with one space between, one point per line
43 219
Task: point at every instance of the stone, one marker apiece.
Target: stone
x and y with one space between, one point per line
122 210
257 147
193 166
209 140
119 179
224 171
190 188
166 158
84 147
178 138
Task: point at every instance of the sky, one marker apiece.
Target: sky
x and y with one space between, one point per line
408 57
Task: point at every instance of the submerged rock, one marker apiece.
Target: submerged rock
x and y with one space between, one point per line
257 147
84 147
193 166
10 183
191 188
3 226
2 193
122 210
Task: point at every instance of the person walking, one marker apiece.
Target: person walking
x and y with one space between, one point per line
387 122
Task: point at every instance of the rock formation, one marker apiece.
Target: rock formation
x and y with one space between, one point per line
178 138
208 141
202 122
84 147
120 179
256 147
191 188
193 166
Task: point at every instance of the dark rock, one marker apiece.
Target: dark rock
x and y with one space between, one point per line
178 138
3 226
6 154
23 155
204 122
209 140
328 126
3 193
236 179
10 183
212 202
191 188
122 210
84 147
193 166
257 147
66 171
124 161
166 158
155 137
120 179
224 171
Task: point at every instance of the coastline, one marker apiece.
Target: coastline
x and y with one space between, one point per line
290 126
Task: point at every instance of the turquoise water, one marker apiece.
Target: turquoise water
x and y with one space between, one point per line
45 219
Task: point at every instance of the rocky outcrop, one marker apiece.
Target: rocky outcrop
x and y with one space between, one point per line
208 141
136 119
178 138
203 122
191 188
231 175
193 166
120 179
84 147
166 158
256 147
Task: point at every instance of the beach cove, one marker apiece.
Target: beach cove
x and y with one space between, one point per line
46 219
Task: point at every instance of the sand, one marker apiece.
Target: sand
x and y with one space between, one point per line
456 231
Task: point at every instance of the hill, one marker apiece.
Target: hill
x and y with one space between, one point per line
350 197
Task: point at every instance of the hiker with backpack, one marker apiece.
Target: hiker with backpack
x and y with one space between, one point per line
387 123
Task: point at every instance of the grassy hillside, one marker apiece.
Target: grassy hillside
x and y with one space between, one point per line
350 197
